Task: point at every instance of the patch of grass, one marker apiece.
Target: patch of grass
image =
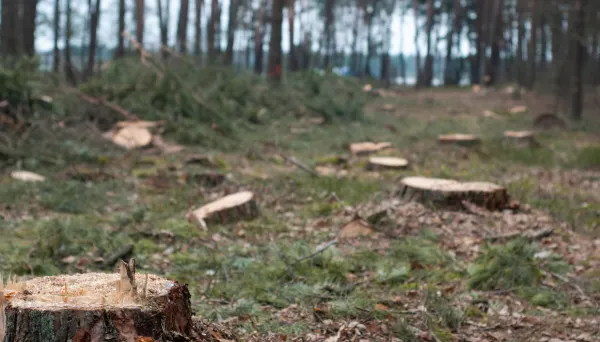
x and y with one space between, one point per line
404 332
442 312
505 267
589 157
544 297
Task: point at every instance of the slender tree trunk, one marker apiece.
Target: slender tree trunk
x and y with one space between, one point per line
120 52
418 73
428 72
198 28
56 24
258 38
293 63
370 47
480 42
450 69
329 31
29 16
543 42
579 49
231 27
139 20
182 25
274 69
495 40
70 74
532 49
212 30
354 57
94 20
9 29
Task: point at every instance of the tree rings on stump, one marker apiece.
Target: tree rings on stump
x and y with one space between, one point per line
451 193
132 137
87 307
364 148
386 163
459 139
232 208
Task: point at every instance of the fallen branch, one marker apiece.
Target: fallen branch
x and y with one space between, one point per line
100 101
318 251
300 165
535 235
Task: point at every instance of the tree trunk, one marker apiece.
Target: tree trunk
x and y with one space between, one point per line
354 57
532 49
182 25
292 62
258 38
520 62
450 67
95 18
329 31
198 28
495 40
579 49
543 42
29 16
9 35
212 30
418 73
370 48
70 74
480 42
56 22
120 52
139 21
274 62
231 27
428 71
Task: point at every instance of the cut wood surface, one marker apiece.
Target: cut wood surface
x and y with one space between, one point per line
139 124
87 307
132 137
452 193
382 163
363 148
526 138
459 139
27 176
231 208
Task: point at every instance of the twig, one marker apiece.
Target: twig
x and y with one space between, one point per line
318 251
536 235
300 165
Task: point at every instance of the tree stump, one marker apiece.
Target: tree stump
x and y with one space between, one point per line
459 139
364 148
451 193
523 138
386 163
233 208
548 121
99 307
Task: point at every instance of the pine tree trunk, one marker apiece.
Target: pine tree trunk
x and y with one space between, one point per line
120 52
354 57
495 39
292 61
29 16
274 62
70 74
182 25
231 27
370 47
9 35
428 71
533 48
329 31
198 28
212 30
258 38
450 68
95 18
579 50
139 21
56 25
543 42
163 24
480 43
520 62
418 72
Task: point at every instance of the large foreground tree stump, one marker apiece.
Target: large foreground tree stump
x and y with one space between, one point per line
99 307
451 193
386 163
233 208
466 140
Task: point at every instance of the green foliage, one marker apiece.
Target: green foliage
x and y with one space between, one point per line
442 313
506 267
17 84
589 157
404 332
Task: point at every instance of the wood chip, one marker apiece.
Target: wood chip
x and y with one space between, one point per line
27 176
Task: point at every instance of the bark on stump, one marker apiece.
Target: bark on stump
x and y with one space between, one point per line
87 307
386 163
452 194
233 208
466 140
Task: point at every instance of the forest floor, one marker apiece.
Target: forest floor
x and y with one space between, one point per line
424 273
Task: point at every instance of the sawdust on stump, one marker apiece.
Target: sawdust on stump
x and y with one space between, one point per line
451 193
386 163
364 148
459 139
232 208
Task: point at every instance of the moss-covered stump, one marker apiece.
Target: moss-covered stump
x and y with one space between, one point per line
465 140
232 208
452 194
88 307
